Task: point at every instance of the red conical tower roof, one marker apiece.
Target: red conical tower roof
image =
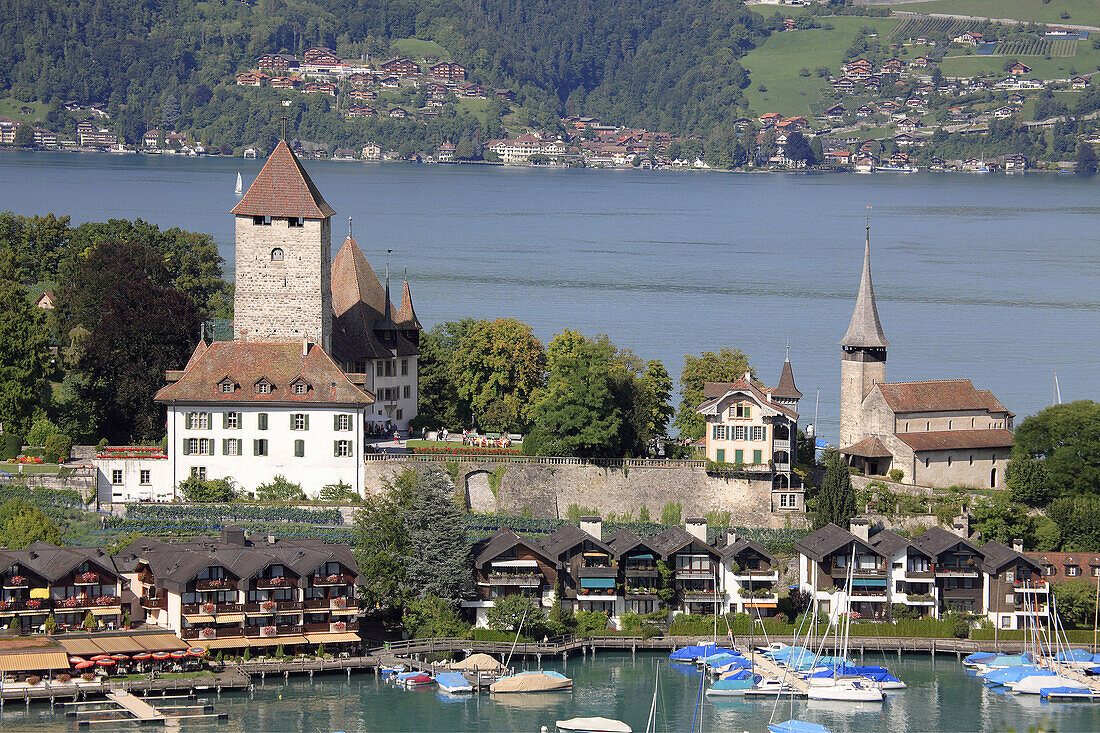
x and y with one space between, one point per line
283 188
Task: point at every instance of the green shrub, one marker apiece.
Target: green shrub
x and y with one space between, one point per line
961 629
494 635
41 431
896 475
671 513
12 446
589 621
58 448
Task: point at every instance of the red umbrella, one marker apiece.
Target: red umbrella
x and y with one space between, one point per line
97 657
119 657
105 662
76 660
159 656
143 656
85 665
179 655
196 651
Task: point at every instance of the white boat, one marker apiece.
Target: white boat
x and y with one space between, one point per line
593 725
770 687
846 690
240 184
772 648
1035 684
453 682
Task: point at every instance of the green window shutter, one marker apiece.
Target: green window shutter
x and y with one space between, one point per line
225 420
299 448
335 422
748 410
336 447
757 458
351 448
261 421
255 447
307 422
187 420
292 421
185 452
225 446
240 447
721 457
739 456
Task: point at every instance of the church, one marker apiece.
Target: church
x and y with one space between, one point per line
938 433
320 354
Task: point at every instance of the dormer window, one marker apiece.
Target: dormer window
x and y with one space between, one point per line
295 222
227 387
262 386
299 388
277 254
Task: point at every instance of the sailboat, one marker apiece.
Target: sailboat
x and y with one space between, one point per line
240 185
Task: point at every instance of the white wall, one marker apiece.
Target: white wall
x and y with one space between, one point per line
390 408
159 487
313 471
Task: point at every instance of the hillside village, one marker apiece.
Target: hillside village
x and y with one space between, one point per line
891 107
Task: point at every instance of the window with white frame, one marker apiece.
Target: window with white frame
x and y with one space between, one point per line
196 421
378 369
343 422
299 421
232 420
206 447
299 388
1006 622
1072 571
407 392
231 447
263 388
227 388
739 432
116 476
192 447
198 472
145 477
404 367
342 449
759 432
719 432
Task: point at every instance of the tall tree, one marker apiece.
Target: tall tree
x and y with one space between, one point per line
1086 159
1028 481
726 365
437 555
140 326
496 361
381 543
835 501
439 404
1078 519
1067 440
23 351
577 410
22 524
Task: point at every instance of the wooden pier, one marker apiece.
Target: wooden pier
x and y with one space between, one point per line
138 710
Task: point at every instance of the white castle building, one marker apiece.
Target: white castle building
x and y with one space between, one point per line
319 353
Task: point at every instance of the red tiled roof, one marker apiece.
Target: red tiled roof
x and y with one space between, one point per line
283 188
247 362
714 391
944 395
868 448
956 439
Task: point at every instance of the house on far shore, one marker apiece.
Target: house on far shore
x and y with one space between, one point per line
47 300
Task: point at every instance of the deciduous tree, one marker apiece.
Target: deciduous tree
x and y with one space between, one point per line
498 360
23 351
1067 439
1028 481
726 365
22 524
381 542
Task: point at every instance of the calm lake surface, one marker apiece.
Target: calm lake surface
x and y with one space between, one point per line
995 278
940 697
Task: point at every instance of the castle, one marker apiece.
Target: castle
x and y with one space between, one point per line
319 354
938 433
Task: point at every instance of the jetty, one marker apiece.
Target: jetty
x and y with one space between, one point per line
129 708
772 669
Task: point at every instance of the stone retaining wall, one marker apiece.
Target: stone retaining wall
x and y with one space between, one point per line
548 491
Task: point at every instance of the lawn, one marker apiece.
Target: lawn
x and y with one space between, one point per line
1086 61
418 49
13 468
10 107
476 107
776 62
1081 12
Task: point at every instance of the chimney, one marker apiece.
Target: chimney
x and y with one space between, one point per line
861 528
271 539
232 536
731 538
592 526
748 377
305 347
1017 545
697 528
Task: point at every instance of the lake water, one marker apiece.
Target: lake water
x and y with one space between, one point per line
995 278
940 697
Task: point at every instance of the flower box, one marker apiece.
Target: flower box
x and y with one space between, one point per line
277 581
267 606
339 626
18 580
208 633
87 578
106 601
333 578
34 603
208 608
69 602
267 631
339 602
4 605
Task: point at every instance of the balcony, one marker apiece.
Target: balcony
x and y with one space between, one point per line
782 465
276 583
154 603
964 572
328 580
641 571
919 575
1042 587
528 580
694 573
701 595
212 609
86 579
598 572
267 608
920 600
780 444
640 594
760 576
858 573
326 604
81 603
215 586
16 581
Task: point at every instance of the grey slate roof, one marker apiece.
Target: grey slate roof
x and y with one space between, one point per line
938 539
786 388
569 537
998 554
889 543
828 540
865 330
676 538
743 544
488 548
624 541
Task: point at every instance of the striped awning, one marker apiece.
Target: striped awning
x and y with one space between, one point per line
276 640
199 618
230 618
34 662
110 611
869 582
344 611
762 604
230 643
342 637
80 647
118 644
161 642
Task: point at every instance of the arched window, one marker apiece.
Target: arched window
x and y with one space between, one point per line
277 254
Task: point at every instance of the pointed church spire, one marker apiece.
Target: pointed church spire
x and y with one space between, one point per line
389 307
865 329
786 389
406 316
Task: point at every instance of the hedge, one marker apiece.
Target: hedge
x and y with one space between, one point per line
1075 636
493 635
235 512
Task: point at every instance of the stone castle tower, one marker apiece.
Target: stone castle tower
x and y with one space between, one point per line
283 256
863 364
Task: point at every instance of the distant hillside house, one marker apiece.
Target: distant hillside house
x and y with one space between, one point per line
448 71
276 62
400 67
47 300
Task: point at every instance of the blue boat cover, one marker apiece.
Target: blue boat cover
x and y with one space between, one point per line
452 679
717 660
1077 691
1074 655
699 651
735 663
407 675
1015 674
797 726
980 657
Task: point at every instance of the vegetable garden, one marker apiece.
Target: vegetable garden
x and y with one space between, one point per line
936 28
1055 48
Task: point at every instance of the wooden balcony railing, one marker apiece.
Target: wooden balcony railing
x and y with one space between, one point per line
210 586
327 580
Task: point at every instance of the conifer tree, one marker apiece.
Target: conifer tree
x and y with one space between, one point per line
836 500
436 561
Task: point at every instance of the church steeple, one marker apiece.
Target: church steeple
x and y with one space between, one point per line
865 329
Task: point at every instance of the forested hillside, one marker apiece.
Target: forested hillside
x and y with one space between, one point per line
669 65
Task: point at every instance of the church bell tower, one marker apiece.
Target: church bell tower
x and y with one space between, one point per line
863 364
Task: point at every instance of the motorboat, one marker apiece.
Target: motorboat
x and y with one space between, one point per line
1011 675
770 687
695 652
876 675
419 679
542 681
453 682
1076 658
388 671
977 659
734 665
770 649
592 725
846 689
1068 694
